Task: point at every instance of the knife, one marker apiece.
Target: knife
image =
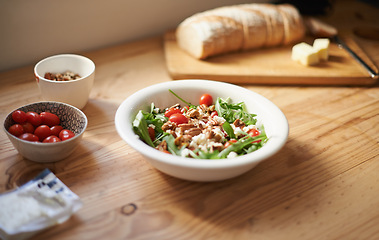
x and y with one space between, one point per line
320 29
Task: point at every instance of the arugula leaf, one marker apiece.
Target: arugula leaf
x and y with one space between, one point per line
228 129
172 148
229 111
209 155
245 145
140 128
233 111
181 99
235 147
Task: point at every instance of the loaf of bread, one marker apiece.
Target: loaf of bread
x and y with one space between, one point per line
239 28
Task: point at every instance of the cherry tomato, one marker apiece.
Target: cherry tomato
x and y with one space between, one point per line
33 118
214 113
66 134
254 132
185 109
178 118
16 129
230 142
55 130
28 127
52 139
42 132
171 111
206 99
29 137
151 133
19 116
49 119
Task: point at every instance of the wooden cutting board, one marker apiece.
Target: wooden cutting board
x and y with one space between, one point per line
269 66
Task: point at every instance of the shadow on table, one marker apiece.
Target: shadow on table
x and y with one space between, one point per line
271 185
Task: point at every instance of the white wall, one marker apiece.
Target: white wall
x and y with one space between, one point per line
33 29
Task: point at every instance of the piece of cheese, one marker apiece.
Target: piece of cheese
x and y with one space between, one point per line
305 54
322 47
41 203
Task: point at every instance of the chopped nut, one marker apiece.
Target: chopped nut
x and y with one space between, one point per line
193 131
239 123
173 133
169 126
217 146
186 126
174 106
216 121
162 146
67 76
183 140
192 113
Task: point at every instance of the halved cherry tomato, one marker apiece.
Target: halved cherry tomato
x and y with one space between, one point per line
230 142
34 118
42 132
178 118
28 127
254 132
214 113
66 134
55 130
206 99
52 139
171 111
19 116
49 119
29 137
16 129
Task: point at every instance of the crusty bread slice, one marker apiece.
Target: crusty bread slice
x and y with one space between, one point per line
294 28
252 22
275 24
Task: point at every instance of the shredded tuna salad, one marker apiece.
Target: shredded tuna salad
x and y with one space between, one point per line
210 130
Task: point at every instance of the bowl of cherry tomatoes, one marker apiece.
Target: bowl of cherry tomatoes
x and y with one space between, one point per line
45 131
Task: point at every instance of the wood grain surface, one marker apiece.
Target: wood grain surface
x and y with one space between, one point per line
274 65
270 66
323 184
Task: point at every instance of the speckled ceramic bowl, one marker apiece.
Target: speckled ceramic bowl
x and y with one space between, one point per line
71 118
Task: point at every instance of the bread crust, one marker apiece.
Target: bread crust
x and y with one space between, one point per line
239 27
294 28
275 22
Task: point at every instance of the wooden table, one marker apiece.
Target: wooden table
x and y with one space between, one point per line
324 183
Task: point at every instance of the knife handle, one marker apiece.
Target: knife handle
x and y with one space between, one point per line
343 45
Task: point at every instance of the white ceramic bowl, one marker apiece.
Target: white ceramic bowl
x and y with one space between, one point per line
268 114
73 92
71 118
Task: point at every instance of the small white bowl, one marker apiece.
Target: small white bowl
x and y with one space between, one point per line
268 114
73 92
71 118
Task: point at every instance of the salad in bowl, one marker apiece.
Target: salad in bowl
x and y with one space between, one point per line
184 134
209 130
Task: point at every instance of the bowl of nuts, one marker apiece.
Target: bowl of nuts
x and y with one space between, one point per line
45 131
65 78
